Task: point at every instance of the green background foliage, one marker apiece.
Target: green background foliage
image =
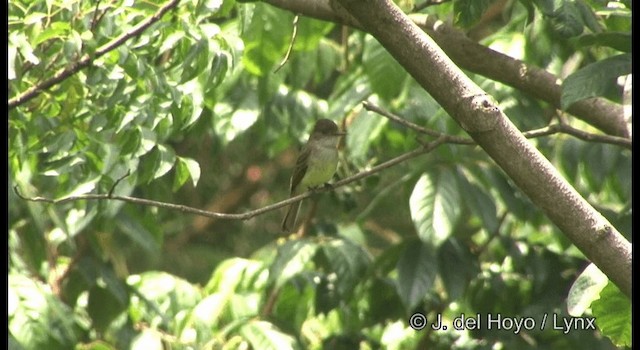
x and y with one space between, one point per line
193 110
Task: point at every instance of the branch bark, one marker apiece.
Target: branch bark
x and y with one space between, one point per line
481 118
468 54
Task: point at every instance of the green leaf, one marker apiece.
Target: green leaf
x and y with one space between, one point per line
480 203
77 220
232 292
468 12
348 261
264 335
547 7
186 168
171 40
157 163
417 269
364 130
327 297
585 290
25 49
192 64
181 175
384 302
570 154
139 234
594 79
567 20
434 205
72 47
130 140
588 17
613 315
63 165
599 164
103 307
294 303
56 30
163 293
147 339
147 142
194 90
218 70
82 188
33 18
292 259
237 275
616 40
385 74
457 266
266 39
41 320
310 32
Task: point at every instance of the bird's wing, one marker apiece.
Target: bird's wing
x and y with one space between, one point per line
300 169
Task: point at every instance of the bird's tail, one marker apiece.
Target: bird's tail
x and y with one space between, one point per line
289 221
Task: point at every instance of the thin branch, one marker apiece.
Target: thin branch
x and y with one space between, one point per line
247 215
115 184
87 59
97 18
580 134
450 138
293 40
561 127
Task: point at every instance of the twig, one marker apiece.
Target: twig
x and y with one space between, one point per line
293 39
560 127
450 138
110 194
243 216
97 18
87 59
577 133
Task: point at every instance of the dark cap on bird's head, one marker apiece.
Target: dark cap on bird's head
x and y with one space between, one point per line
326 127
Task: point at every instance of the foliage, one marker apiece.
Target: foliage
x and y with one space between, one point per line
192 110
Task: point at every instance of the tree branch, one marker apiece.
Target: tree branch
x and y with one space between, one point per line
87 59
470 55
561 127
478 114
247 215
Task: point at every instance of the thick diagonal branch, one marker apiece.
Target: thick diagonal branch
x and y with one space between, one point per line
480 117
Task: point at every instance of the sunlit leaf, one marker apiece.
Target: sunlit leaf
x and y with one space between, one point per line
585 290
292 258
385 74
613 315
264 335
347 260
594 79
434 206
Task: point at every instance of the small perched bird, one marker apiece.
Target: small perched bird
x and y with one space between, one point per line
315 166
